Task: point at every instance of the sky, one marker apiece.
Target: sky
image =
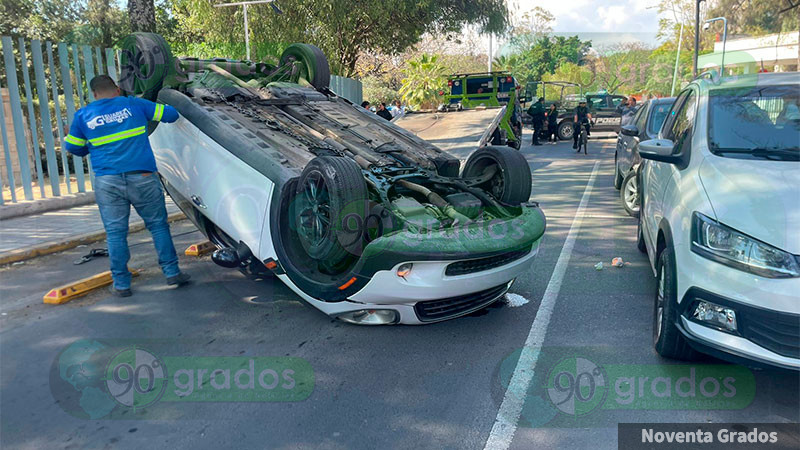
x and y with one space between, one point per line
604 22
598 15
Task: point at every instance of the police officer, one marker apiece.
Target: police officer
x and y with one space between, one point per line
112 130
581 118
536 111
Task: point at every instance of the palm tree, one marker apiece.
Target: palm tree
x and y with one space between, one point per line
504 63
424 79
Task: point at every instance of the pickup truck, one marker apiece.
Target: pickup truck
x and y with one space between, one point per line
604 113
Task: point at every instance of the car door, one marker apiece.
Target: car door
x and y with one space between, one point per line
678 127
604 115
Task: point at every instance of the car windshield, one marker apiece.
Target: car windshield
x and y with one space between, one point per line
755 120
657 117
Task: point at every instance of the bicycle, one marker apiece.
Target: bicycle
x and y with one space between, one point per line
583 140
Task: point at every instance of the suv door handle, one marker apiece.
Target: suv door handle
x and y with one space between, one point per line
199 202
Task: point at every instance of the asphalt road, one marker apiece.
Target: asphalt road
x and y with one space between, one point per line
438 386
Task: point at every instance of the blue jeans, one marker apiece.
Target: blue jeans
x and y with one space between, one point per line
114 195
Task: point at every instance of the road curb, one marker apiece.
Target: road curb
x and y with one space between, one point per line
60 245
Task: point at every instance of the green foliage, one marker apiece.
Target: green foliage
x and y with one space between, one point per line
545 54
343 29
573 73
424 78
376 90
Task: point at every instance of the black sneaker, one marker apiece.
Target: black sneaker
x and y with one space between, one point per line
120 292
179 279
574 146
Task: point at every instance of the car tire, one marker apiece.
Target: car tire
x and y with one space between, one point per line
667 339
565 130
617 174
511 183
629 194
314 67
145 62
640 243
331 205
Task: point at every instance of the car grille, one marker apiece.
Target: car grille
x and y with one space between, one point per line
446 308
775 331
481 264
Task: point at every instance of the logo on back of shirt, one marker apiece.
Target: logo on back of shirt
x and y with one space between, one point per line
104 119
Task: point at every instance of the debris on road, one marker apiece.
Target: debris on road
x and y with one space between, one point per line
598 266
515 300
617 262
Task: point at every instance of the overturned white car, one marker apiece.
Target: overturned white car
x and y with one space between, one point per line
358 216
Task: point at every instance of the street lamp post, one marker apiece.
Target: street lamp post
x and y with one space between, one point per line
244 10
724 40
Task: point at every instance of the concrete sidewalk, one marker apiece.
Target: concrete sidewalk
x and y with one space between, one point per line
26 237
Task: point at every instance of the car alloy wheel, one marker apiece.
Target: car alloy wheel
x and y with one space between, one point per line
658 316
630 193
315 212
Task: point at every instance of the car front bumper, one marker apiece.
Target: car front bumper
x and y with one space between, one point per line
763 337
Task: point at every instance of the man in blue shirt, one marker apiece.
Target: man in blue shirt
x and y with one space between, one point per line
112 130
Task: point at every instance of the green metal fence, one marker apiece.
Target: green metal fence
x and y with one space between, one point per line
42 84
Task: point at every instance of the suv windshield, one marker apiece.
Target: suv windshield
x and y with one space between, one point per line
758 121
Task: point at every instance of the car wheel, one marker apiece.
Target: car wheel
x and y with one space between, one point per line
314 67
511 183
617 175
640 244
667 339
330 203
629 194
565 130
145 62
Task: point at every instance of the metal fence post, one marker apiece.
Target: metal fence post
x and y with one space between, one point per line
7 151
44 114
16 115
69 100
111 66
76 62
26 79
57 110
88 66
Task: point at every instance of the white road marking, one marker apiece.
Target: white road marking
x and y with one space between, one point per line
505 425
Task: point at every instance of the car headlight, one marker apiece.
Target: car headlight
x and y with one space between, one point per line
725 245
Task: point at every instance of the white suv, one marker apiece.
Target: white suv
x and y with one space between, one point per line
720 220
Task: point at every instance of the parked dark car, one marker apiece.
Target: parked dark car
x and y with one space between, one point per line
645 125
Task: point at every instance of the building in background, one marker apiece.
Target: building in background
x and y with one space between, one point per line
746 54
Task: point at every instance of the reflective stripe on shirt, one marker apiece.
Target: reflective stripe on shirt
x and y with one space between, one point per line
75 141
118 136
159 112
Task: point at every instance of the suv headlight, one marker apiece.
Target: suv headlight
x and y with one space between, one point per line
725 245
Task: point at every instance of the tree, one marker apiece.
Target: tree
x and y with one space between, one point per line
142 14
424 78
546 54
343 29
623 65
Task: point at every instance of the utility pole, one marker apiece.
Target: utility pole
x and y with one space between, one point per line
244 10
677 59
490 52
696 35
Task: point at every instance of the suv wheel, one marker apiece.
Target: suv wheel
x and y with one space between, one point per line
640 244
617 175
629 194
565 130
667 339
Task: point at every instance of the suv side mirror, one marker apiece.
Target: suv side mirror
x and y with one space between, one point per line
659 150
629 130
